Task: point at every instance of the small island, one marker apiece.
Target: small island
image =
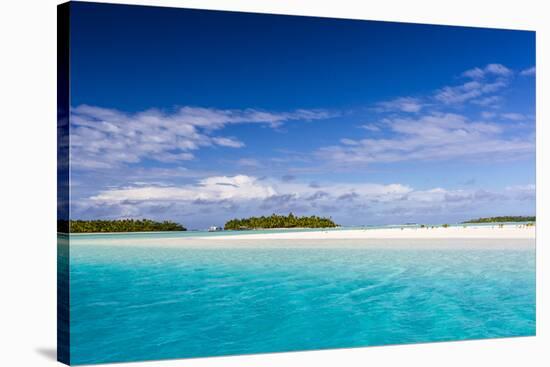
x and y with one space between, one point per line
279 221
121 225
503 219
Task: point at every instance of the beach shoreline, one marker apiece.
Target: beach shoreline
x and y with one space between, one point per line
482 237
481 232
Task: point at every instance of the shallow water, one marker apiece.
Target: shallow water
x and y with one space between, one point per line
143 303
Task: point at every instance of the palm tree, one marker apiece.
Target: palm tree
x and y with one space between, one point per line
279 221
123 225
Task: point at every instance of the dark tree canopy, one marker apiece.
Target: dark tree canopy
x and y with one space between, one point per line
503 219
121 225
279 221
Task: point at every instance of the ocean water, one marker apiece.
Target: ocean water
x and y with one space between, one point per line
132 303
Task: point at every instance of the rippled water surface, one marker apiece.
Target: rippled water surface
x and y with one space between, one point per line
143 303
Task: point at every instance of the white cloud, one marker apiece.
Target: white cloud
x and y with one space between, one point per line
216 118
475 73
106 138
498 69
529 71
491 79
370 127
468 91
488 114
490 69
215 188
459 94
491 101
346 141
480 88
228 142
222 197
240 188
402 104
522 192
436 136
513 116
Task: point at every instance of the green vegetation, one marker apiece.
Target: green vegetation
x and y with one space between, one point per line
123 225
502 219
279 221
445 225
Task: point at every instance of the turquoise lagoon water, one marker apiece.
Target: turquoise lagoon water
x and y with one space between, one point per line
132 303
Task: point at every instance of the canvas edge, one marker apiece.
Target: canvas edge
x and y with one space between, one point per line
63 174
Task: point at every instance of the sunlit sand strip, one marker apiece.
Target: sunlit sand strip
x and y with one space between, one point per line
508 237
496 232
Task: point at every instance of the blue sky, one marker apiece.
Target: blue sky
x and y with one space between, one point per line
200 116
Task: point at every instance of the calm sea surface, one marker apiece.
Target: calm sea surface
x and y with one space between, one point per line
142 303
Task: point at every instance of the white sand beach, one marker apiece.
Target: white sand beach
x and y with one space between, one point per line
470 237
494 232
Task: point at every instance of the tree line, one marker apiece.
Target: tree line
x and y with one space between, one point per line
503 219
279 221
120 225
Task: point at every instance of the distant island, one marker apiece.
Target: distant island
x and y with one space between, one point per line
279 221
121 225
502 219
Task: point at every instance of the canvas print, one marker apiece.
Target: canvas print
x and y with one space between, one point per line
235 183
